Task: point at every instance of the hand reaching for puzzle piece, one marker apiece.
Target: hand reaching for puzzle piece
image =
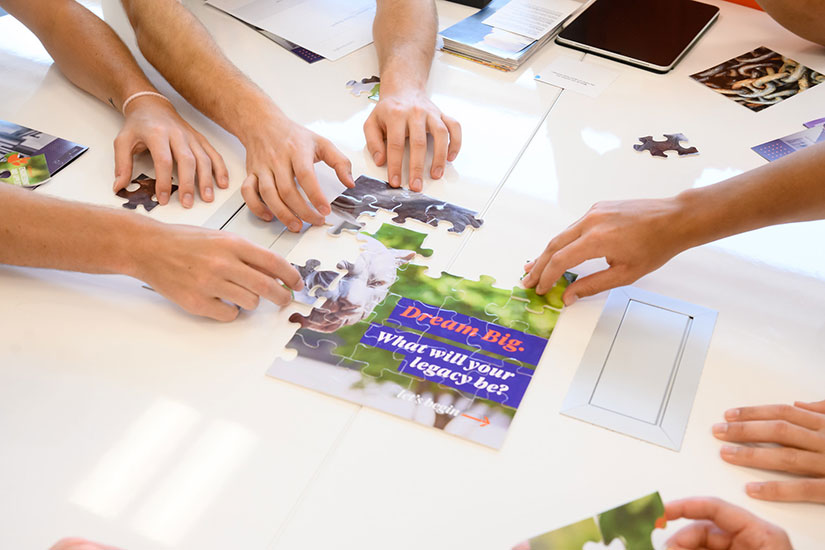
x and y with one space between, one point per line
635 237
798 434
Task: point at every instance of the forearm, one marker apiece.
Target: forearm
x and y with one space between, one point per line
177 44
404 32
41 231
784 191
805 18
85 48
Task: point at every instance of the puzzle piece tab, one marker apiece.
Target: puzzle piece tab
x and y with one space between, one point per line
671 143
144 195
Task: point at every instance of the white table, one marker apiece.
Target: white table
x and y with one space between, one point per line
125 420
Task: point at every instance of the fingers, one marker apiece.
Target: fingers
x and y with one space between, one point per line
455 136
261 285
123 161
252 197
396 137
418 151
335 159
818 406
593 284
271 264
287 189
781 459
236 294
569 256
699 535
305 174
271 196
723 514
795 415
162 158
219 169
770 431
802 490
375 140
441 138
187 165
219 310
559 241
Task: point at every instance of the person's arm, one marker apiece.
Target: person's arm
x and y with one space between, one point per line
796 434
277 149
202 270
92 56
404 33
805 18
722 526
639 236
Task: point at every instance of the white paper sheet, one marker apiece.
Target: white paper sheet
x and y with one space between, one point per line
582 77
330 28
532 18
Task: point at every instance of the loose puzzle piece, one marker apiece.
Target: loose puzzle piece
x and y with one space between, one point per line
371 85
627 527
369 195
143 195
671 143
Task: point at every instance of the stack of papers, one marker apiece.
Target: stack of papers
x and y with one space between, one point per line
328 28
507 32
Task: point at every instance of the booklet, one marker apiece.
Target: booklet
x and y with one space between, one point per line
19 143
480 39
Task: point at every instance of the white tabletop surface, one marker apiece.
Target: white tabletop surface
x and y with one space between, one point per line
124 419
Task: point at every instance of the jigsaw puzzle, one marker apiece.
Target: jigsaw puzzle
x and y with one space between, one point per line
759 78
369 195
143 195
671 143
449 352
626 527
371 85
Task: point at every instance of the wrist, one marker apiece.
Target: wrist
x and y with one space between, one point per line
134 242
254 114
694 219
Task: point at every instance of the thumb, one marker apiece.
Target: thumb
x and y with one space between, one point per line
593 284
123 163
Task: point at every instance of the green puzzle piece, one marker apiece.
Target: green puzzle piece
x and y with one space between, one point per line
401 239
634 522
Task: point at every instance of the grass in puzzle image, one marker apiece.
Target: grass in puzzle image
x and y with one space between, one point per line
448 352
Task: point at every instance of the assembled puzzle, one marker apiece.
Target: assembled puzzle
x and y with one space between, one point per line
448 352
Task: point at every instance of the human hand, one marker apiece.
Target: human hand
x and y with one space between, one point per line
722 526
798 432
75 543
410 113
634 236
153 124
211 273
278 153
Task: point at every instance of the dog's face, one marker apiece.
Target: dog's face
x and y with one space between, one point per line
364 286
